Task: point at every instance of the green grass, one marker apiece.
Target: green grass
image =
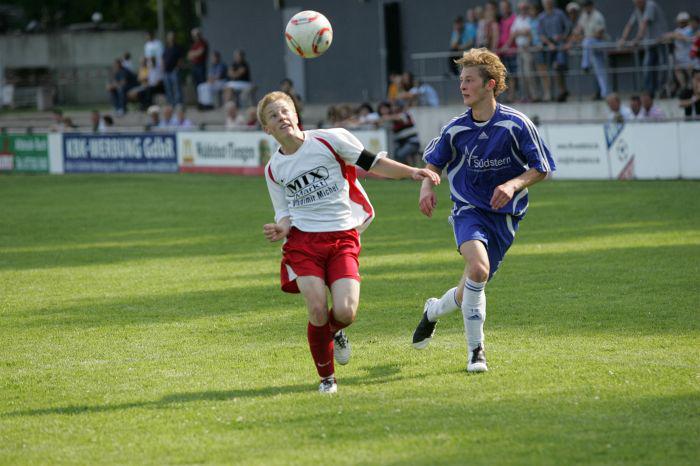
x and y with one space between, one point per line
141 322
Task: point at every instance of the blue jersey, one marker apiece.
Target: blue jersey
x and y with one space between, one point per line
481 156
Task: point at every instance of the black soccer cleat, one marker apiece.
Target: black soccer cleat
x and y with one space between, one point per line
425 329
477 360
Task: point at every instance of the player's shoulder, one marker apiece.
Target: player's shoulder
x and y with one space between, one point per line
328 133
463 119
506 113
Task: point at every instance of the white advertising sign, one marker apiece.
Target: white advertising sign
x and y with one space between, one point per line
689 137
653 147
579 151
237 152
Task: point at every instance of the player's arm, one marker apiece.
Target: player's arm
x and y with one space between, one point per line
428 199
505 192
397 170
280 228
277 231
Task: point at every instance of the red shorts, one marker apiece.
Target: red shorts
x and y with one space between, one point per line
327 255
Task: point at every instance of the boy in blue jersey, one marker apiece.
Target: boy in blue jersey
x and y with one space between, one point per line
491 153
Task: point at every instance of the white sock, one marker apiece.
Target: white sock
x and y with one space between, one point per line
474 312
443 306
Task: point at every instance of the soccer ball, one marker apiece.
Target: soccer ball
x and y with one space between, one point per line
308 34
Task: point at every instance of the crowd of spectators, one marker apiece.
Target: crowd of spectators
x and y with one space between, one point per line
536 41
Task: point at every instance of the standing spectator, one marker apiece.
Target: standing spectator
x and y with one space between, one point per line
172 60
695 46
127 63
521 35
573 11
491 26
470 29
591 30
541 71
456 42
239 87
479 15
153 48
618 113
198 57
122 81
650 21
208 92
651 111
506 51
690 98
682 38
96 123
554 28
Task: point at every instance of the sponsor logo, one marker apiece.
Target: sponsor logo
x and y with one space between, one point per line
308 183
483 136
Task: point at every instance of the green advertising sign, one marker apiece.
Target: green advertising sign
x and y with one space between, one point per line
24 153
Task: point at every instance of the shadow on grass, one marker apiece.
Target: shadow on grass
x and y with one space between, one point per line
375 375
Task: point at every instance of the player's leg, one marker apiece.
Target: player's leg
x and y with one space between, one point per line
474 301
346 297
319 335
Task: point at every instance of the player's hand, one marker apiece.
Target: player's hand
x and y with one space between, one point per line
502 195
421 174
427 201
275 231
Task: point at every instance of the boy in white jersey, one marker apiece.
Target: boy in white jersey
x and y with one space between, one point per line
320 210
491 153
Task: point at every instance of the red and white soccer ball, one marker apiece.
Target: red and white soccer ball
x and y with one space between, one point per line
308 34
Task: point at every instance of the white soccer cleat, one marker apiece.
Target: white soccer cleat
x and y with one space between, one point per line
477 360
341 347
328 385
426 329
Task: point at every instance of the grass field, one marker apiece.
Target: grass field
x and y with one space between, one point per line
142 323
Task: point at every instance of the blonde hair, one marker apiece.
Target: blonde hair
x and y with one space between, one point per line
489 65
270 98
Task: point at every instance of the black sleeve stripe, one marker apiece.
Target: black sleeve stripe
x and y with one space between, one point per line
366 160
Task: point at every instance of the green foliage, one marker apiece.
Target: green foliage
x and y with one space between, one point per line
142 323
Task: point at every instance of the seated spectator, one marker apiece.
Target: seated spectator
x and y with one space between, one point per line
57 125
150 83
181 121
108 123
168 119
418 93
405 135
208 92
366 115
68 125
121 82
618 113
251 118
636 108
651 111
239 87
154 120
96 123
287 86
690 98
127 63
394 88
682 38
234 120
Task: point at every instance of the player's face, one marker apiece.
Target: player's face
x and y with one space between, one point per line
473 87
280 119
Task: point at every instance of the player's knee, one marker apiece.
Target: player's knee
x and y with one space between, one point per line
345 313
478 272
318 313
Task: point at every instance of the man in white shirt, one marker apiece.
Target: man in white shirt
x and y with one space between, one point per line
320 210
153 48
521 33
591 28
618 113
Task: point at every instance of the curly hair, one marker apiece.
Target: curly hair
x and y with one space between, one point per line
489 65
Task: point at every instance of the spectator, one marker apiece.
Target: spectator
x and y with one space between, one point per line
96 123
591 29
168 119
198 56
122 81
651 111
172 61
650 21
153 48
108 123
470 29
491 26
234 120
573 11
456 42
181 121
406 140
636 108
554 28
287 86
208 92
618 113
394 88
154 121
127 63
422 94
521 36
240 86
541 69
139 92
690 98
480 26
682 38
57 124
366 115
506 51
695 46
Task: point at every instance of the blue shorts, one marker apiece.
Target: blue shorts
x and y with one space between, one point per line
496 231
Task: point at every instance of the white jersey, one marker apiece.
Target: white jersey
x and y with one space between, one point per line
317 186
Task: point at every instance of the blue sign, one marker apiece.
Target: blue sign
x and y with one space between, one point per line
119 153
